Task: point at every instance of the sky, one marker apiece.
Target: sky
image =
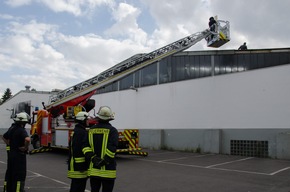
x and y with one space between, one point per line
55 44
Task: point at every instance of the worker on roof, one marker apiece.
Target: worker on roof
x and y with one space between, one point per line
18 140
100 148
243 47
77 165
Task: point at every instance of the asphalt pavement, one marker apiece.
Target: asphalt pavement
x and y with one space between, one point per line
161 170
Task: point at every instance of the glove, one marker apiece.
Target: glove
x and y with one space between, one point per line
101 164
98 162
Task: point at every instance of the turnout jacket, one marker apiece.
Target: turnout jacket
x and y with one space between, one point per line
16 165
102 142
77 165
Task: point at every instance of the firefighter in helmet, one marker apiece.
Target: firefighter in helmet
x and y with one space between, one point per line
100 148
77 165
18 140
8 150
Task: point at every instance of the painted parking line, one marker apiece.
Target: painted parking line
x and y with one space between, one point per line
186 157
36 175
228 162
239 171
216 168
49 178
55 180
162 153
279 171
172 159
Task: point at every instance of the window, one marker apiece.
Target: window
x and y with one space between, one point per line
126 82
165 70
108 88
137 79
149 75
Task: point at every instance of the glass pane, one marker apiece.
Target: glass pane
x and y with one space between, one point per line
165 71
149 75
137 79
126 82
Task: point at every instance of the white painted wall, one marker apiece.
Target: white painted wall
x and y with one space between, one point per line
251 99
36 99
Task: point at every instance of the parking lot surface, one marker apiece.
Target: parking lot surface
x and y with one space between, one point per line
169 171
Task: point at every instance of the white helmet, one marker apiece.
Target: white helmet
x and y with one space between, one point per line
22 117
105 113
82 116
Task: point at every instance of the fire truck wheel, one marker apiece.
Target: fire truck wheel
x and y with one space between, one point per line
35 141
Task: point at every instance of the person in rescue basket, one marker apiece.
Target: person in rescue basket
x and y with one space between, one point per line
77 165
100 148
212 26
19 141
8 150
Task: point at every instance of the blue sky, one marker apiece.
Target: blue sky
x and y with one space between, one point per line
54 44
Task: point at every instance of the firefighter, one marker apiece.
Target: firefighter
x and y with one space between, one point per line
100 148
18 140
8 150
77 166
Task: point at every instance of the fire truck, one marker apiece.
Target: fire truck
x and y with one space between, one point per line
53 125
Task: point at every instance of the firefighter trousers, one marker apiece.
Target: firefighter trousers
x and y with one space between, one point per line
78 185
16 172
106 184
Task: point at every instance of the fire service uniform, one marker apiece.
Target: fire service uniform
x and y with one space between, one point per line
77 165
19 141
100 149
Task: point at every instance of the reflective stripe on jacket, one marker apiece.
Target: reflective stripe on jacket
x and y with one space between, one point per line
102 142
77 167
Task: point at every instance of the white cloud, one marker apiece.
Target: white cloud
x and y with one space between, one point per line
73 6
6 16
38 55
50 59
16 3
126 24
177 19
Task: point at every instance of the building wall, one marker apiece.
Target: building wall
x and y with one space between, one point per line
204 114
256 99
35 99
219 141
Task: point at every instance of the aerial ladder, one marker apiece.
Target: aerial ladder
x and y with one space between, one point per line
77 98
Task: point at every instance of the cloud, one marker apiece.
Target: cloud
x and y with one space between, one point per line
37 54
7 17
16 3
261 24
126 25
176 20
47 56
75 7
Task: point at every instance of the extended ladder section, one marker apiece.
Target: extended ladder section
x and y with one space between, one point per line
132 64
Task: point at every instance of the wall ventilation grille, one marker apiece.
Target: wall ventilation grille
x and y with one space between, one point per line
250 148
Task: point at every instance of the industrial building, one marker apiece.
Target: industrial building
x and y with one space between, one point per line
222 101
